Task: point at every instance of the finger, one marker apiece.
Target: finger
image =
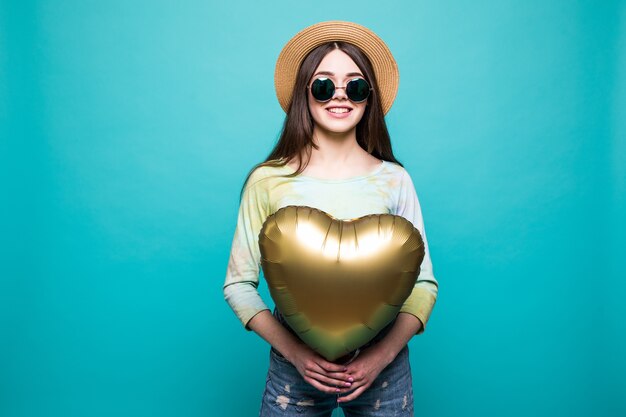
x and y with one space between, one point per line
352 396
340 376
344 377
355 386
331 367
327 380
355 370
321 387
332 379
357 374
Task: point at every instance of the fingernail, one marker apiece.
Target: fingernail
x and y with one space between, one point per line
347 384
351 379
337 390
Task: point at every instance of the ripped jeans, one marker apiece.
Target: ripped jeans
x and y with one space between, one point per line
288 394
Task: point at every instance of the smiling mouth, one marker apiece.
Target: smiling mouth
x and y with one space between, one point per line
338 110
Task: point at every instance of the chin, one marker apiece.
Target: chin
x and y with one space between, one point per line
335 126
337 129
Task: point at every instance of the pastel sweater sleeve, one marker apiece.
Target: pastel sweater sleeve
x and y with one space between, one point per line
242 275
422 299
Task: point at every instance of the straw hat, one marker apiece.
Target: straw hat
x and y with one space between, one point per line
305 41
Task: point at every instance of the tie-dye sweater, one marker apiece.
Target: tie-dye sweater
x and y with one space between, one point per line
387 189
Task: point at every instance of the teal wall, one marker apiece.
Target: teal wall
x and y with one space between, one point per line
127 128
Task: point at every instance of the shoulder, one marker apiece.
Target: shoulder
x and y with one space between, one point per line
396 171
393 167
261 174
401 182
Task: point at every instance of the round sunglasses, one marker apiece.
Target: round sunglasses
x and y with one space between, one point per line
357 89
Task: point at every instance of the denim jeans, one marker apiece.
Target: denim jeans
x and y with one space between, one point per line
288 394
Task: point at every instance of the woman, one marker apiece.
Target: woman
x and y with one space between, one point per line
335 80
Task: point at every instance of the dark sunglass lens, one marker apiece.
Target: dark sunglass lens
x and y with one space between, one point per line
322 89
358 90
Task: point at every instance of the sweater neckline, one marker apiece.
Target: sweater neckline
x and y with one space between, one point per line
339 180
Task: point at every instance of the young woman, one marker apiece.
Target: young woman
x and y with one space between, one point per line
335 80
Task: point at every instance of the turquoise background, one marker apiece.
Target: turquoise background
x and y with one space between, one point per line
127 128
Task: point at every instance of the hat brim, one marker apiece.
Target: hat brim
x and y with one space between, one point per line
294 52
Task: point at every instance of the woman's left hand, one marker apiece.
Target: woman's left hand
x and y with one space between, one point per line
365 369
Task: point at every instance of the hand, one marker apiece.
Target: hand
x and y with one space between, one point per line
317 371
365 369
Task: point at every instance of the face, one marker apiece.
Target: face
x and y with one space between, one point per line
339 115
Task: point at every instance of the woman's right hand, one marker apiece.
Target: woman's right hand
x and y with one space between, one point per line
326 376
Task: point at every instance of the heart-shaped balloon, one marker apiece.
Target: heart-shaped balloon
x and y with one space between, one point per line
339 282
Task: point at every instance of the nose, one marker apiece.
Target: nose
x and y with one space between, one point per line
340 93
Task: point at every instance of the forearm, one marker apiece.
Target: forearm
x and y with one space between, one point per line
404 328
265 325
420 303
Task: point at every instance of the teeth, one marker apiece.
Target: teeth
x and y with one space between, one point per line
338 110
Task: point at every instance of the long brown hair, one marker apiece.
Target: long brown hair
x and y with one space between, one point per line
296 137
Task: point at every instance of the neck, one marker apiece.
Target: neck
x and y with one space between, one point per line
334 149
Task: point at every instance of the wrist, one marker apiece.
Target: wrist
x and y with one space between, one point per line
292 351
385 351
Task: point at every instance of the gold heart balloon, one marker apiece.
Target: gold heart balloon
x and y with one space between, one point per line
338 282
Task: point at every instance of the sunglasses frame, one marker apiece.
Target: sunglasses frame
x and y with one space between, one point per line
335 88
